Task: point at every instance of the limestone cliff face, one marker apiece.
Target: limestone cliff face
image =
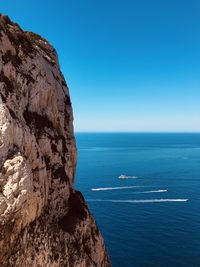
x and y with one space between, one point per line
43 220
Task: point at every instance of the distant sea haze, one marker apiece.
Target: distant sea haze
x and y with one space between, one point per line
151 220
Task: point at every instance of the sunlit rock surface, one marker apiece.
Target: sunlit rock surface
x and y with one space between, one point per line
43 221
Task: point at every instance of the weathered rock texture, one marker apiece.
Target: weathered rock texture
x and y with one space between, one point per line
43 220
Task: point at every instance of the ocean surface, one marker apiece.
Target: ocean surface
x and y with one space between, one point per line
152 218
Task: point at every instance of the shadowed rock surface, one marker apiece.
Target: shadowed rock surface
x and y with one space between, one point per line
43 220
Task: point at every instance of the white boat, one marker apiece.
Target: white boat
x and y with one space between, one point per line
122 176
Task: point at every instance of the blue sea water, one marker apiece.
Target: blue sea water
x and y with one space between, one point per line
141 233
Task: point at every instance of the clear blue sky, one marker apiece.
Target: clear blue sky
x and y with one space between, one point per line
130 65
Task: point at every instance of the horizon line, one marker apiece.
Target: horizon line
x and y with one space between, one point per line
143 132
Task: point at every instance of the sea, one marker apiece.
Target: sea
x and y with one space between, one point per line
151 218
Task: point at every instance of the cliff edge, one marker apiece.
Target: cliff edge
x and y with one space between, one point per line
43 220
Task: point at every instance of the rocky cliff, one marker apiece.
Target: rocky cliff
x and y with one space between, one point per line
43 220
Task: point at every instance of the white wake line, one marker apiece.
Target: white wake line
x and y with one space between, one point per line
116 188
130 177
151 191
140 200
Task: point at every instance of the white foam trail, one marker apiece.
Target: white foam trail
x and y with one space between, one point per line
130 177
151 191
140 200
115 188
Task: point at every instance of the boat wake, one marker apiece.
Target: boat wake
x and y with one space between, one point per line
122 177
140 200
131 177
115 188
151 191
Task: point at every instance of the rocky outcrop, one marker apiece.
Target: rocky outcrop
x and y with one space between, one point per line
43 220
